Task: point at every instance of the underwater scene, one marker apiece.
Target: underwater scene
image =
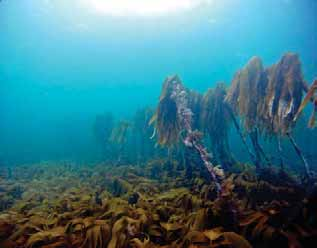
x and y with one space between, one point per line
158 123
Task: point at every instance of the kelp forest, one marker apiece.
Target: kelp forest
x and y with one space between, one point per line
172 176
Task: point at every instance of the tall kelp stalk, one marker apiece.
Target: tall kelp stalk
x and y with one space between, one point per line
246 98
102 129
283 99
143 146
119 137
174 116
215 121
240 132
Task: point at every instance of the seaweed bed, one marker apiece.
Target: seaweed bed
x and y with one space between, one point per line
154 205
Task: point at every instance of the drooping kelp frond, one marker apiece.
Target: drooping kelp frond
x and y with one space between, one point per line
166 118
246 97
284 95
215 121
283 99
102 127
310 96
247 91
120 132
143 146
195 104
141 120
141 131
215 118
268 100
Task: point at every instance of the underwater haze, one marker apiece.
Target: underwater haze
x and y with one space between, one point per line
65 62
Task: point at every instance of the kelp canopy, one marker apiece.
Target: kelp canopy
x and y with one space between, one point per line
268 99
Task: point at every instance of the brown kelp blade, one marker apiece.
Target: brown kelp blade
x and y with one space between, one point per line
283 95
308 97
166 119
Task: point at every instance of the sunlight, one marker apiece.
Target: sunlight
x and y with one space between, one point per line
144 8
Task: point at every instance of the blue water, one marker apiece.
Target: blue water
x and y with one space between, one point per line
62 63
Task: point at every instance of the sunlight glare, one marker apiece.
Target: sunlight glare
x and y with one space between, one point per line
148 8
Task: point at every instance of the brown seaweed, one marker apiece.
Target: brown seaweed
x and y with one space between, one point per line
246 97
120 132
166 118
268 101
174 90
215 120
247 91
249 212
153 204
284 94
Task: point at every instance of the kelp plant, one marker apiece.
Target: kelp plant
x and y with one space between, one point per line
102 129
283 99
119 136
246 98
283 95
268 100
166 118
174 116
143 147
215 121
